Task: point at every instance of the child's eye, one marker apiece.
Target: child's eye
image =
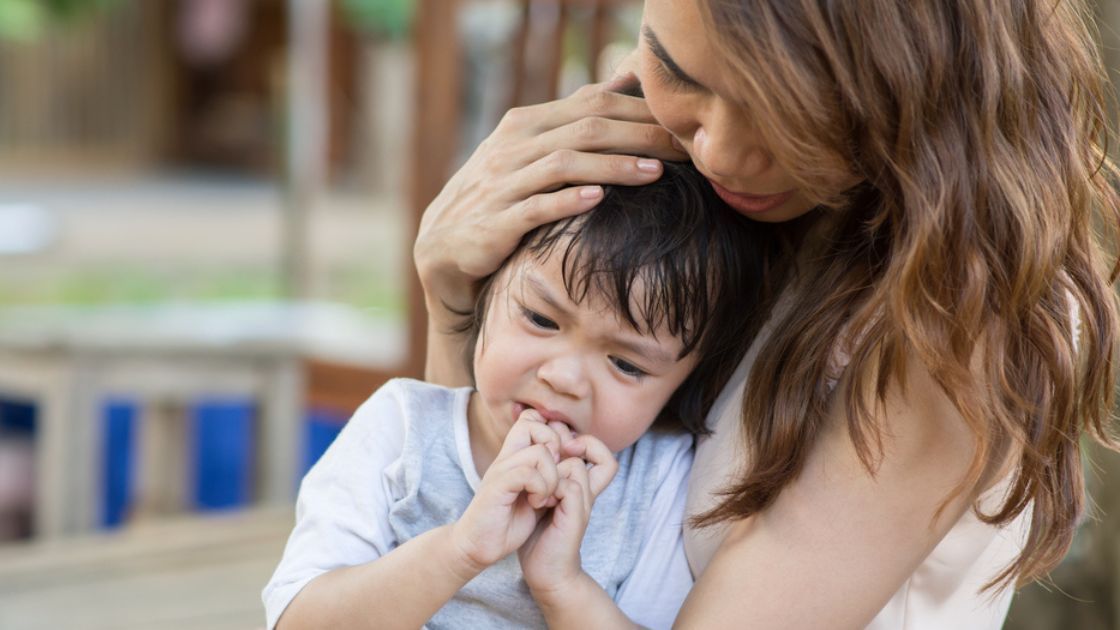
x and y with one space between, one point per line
628 368
538 320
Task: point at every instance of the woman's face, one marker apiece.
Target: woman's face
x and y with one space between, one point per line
686 88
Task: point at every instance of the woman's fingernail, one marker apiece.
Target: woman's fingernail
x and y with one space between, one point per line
591 192
649 166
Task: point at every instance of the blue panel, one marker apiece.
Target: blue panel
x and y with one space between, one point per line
118 437
17 416
321 429
223 431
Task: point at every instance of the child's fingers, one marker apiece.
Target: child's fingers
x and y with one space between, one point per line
575 470
535 486
573 511
530 429
538 458
594 452
562 430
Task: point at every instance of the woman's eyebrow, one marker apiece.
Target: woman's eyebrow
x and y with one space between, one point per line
662 54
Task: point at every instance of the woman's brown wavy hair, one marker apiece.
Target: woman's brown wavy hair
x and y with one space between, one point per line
978 130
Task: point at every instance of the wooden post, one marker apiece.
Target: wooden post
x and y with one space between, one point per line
435 138
308 23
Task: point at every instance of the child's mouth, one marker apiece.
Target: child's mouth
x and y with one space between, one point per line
548 415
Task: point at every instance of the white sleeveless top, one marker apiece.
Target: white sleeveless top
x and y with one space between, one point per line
944 592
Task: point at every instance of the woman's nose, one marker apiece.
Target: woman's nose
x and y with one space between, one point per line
729 154
565 375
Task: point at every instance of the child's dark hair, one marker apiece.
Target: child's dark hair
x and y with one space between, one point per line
702 266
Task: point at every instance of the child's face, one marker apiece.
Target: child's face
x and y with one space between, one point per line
577 363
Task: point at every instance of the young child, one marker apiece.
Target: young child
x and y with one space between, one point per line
596 329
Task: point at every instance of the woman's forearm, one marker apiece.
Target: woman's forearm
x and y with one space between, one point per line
445 357
402 589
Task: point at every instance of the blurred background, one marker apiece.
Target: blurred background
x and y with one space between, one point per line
206 212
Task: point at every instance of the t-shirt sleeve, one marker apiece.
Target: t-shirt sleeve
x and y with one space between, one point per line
343 504
655 590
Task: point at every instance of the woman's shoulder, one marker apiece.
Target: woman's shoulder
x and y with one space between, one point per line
873 524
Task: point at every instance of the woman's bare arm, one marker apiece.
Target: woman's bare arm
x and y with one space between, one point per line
838 542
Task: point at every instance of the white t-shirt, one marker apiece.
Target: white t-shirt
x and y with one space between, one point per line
403 464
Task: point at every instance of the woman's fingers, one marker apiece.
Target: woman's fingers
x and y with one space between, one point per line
597 134
576 154
593 119
596 99
547 207
625 76
565 167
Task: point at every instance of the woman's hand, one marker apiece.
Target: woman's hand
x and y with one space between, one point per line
542 163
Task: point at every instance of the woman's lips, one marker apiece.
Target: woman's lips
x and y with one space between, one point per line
751 203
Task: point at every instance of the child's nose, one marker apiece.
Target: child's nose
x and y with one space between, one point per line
565 375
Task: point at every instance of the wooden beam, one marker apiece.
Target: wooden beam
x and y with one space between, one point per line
435 139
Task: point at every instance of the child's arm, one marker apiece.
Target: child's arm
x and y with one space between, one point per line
567 596
402 589
405 587
582 604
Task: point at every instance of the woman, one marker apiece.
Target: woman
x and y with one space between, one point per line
899 447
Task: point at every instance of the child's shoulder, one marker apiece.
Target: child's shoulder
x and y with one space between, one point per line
412 405
399 411
409 392
665 441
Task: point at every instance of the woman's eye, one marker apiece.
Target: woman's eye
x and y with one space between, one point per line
670 79
627 368
540 321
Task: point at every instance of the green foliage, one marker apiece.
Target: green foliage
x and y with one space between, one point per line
21 19
388 18
65 9
25 20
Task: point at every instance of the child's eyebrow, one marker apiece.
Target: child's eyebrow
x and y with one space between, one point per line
542 291
651 351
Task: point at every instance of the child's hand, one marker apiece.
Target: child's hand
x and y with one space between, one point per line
550 558
515 491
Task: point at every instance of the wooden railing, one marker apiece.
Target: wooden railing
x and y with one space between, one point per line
87 92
